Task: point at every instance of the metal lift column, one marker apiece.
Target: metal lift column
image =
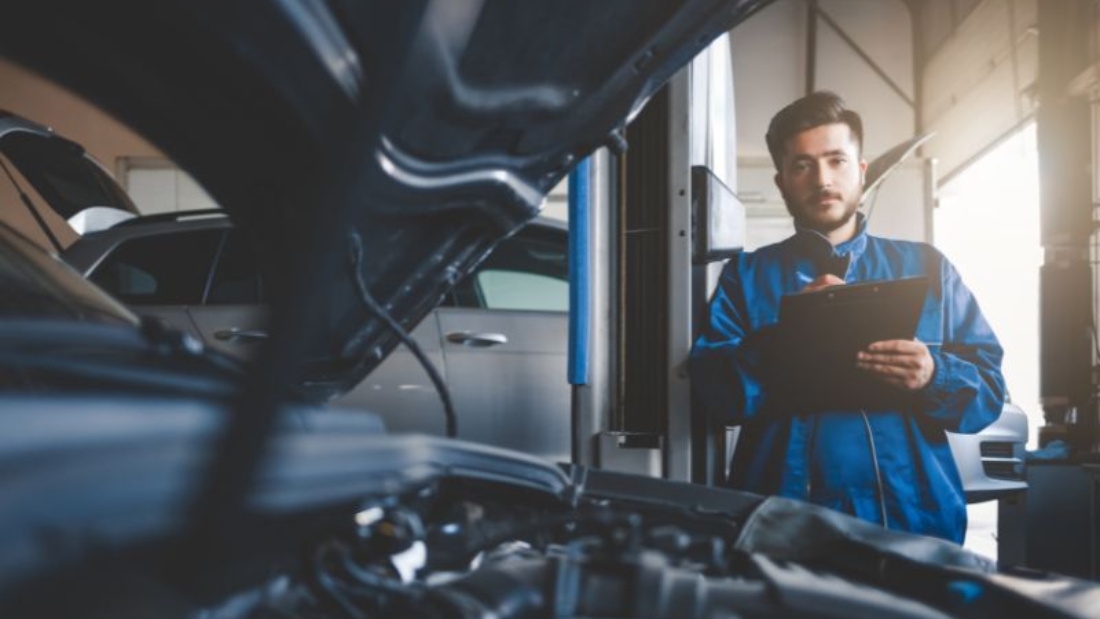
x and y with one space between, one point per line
647 280
1061 522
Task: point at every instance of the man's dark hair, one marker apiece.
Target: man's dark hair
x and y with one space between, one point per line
813 110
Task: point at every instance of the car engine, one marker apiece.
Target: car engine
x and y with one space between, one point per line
461 550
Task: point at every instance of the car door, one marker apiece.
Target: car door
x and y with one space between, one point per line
505 343
161 275
399 389
233 316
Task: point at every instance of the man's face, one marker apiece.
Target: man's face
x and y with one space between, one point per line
821 177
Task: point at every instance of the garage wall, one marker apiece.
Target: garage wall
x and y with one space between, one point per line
157 185
979 79
863 50
30 96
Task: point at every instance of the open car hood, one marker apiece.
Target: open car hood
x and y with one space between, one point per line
421 133
68 181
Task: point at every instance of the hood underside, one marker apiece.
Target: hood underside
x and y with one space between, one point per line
397 140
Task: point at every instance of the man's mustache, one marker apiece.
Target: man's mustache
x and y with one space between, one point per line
821 195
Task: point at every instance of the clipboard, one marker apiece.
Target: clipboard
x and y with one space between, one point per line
849 317
822 331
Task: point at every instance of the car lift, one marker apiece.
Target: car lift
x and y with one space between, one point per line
639 224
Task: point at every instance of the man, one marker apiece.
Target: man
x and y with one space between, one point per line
885 460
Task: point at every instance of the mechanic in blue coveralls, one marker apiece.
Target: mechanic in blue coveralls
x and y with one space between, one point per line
887 460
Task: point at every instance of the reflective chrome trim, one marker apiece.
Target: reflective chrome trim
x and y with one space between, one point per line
425 180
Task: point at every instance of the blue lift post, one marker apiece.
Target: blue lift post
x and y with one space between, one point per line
579 275
591 366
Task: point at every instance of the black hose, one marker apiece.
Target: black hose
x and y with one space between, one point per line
356 255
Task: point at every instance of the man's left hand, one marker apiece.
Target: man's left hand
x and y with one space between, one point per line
905 364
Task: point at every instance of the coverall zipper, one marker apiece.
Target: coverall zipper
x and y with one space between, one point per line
874 462
810 457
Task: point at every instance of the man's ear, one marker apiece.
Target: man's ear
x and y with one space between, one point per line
779 180
862 172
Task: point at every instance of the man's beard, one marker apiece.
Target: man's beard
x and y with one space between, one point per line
800 220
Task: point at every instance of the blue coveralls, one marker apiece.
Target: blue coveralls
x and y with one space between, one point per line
891 460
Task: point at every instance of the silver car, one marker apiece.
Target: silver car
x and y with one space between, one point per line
499 338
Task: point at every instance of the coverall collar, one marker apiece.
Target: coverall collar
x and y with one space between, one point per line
815 242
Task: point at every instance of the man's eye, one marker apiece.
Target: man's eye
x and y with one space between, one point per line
840 161
801 167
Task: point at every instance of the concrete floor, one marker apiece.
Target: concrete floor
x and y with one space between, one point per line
981 531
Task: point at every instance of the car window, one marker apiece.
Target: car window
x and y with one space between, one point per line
165 269
237 274
514 290
526 272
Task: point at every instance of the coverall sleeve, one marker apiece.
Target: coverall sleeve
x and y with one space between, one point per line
728 360
967 389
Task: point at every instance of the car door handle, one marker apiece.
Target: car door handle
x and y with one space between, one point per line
229 335
475 339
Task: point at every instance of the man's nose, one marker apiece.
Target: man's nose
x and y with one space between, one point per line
823 177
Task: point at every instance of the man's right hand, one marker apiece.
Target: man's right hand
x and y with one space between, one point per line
823 281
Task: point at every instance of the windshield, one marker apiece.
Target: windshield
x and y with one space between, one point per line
34 284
